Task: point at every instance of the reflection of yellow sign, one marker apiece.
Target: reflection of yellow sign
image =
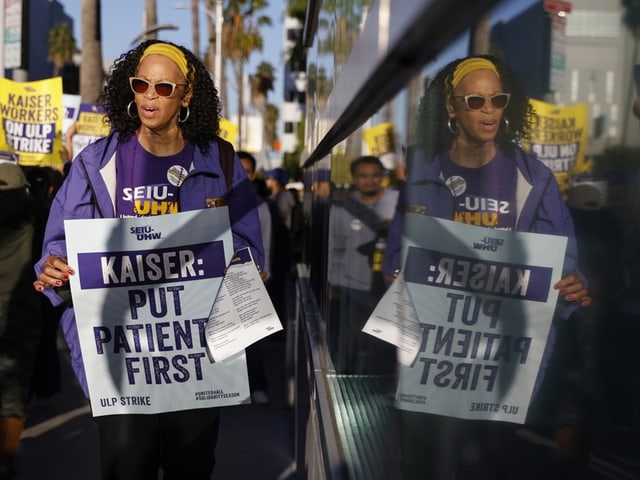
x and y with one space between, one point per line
380 139
228 131
560 137
31 117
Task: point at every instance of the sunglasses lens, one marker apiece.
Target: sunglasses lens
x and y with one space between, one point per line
139 86
164 89
474 102
500 101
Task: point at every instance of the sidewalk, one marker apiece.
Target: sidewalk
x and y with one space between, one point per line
60 441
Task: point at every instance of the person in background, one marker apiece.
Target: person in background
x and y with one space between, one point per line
357 240
164 112
20 318
315 244
282 203
43 185
255 355
277 180
471 120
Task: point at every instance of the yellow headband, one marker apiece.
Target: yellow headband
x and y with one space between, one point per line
169 51
471 65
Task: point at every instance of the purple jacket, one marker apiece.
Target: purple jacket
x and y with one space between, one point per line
539 209
89 192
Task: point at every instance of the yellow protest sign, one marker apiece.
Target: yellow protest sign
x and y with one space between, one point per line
228 131
93 120
380 139
31 117
91 125
560 137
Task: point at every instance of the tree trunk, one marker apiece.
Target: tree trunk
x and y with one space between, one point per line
240 81
211 38
91 72
479 36
195 26
220 83
151 19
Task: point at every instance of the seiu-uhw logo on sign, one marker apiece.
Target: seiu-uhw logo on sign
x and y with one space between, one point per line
488 243
145 233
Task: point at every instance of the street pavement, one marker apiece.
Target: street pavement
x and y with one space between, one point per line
60 440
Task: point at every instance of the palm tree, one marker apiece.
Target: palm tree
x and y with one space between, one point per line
271 116
340 37
91 71
62 46
211 35
631 16
195 26
480 34
261 84
241 38
150 19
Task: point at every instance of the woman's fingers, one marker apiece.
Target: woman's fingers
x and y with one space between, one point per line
55 272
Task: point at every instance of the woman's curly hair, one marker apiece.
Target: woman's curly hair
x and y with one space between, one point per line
433 134
203 123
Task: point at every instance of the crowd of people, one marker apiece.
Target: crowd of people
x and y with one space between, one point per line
29 368
164 111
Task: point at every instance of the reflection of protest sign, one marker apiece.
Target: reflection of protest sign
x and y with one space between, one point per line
560 136
91 125
381 143
484 300
242 313
142 295
32 115
380 139
559 139
394 321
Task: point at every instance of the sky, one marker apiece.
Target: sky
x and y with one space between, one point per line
122 22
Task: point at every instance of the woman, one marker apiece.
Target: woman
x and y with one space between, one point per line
164 111
468 166
472 119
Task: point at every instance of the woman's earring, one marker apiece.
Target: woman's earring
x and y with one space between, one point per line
132 102
182 120
451 125
506 124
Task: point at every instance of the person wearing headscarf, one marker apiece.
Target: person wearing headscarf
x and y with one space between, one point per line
468 166
164 111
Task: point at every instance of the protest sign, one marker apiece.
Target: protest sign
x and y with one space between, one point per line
142 295
71 106
381 143
394 321
484 301
558 138
31 115
91 125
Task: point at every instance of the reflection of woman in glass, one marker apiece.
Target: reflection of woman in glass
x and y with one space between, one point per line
467 166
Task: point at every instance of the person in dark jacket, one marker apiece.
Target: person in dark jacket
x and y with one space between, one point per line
20 318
